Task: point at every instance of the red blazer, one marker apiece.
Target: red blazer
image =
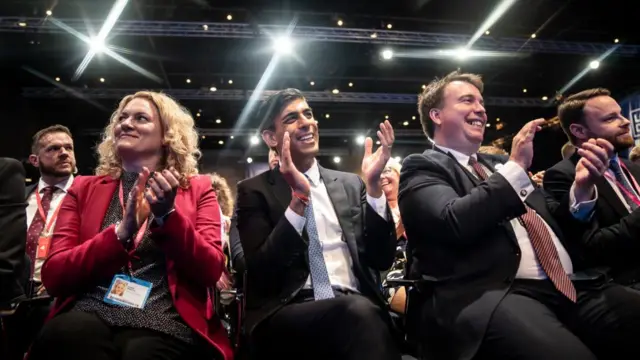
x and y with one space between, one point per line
81 255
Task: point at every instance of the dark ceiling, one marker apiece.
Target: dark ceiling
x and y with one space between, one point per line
167 38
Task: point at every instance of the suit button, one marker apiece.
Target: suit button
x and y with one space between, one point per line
523 192
284 300
508 279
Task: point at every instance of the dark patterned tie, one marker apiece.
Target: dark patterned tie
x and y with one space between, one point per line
542 244
623 183
37 225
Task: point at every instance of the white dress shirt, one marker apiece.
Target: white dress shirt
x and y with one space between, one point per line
334 247
32 210
518 178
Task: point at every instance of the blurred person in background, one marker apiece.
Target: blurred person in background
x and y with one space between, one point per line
274 158
493 150
149 220
225 200
389 181
634 156
567 150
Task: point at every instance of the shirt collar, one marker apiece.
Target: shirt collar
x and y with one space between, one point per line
63 185
460 157
313 173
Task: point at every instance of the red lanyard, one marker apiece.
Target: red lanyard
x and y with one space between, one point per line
630 195
43 215
143 227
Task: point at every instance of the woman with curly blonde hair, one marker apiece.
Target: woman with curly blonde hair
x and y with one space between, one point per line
146 220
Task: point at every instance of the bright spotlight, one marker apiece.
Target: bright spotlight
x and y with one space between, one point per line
360 139
336 159
97 45
462 53
249 160
283 45
254 140
49 12
387 54
594 64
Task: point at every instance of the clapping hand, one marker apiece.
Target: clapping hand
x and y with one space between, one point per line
593 164
136 210
296 180
161 194
374 162
522 144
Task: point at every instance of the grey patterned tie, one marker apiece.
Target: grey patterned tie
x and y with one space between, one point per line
319 275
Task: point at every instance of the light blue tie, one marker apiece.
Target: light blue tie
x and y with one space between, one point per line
319 275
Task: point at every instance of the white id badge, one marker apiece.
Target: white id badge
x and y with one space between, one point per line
128 291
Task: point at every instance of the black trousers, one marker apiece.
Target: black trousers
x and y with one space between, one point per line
535 321
345 327
78 335
22 327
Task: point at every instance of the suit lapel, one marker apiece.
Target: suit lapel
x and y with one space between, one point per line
606 191
491 162
340 201
461 169
98 199
280 188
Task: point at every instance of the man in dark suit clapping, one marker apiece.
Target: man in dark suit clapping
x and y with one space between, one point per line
510 283
613 238
314 241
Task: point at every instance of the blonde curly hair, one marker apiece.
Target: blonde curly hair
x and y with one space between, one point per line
223 192
180 138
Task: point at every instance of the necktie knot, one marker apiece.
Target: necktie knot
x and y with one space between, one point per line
49 190
613 164
477 168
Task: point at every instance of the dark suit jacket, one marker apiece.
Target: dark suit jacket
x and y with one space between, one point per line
613 238
459 233
237 253
277 257
13 230
29 189
190 239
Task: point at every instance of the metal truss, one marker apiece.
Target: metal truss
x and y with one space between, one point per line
241 95
242 133
264 151
316 33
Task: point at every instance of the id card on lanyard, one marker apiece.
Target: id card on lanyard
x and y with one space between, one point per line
143 228
44 239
